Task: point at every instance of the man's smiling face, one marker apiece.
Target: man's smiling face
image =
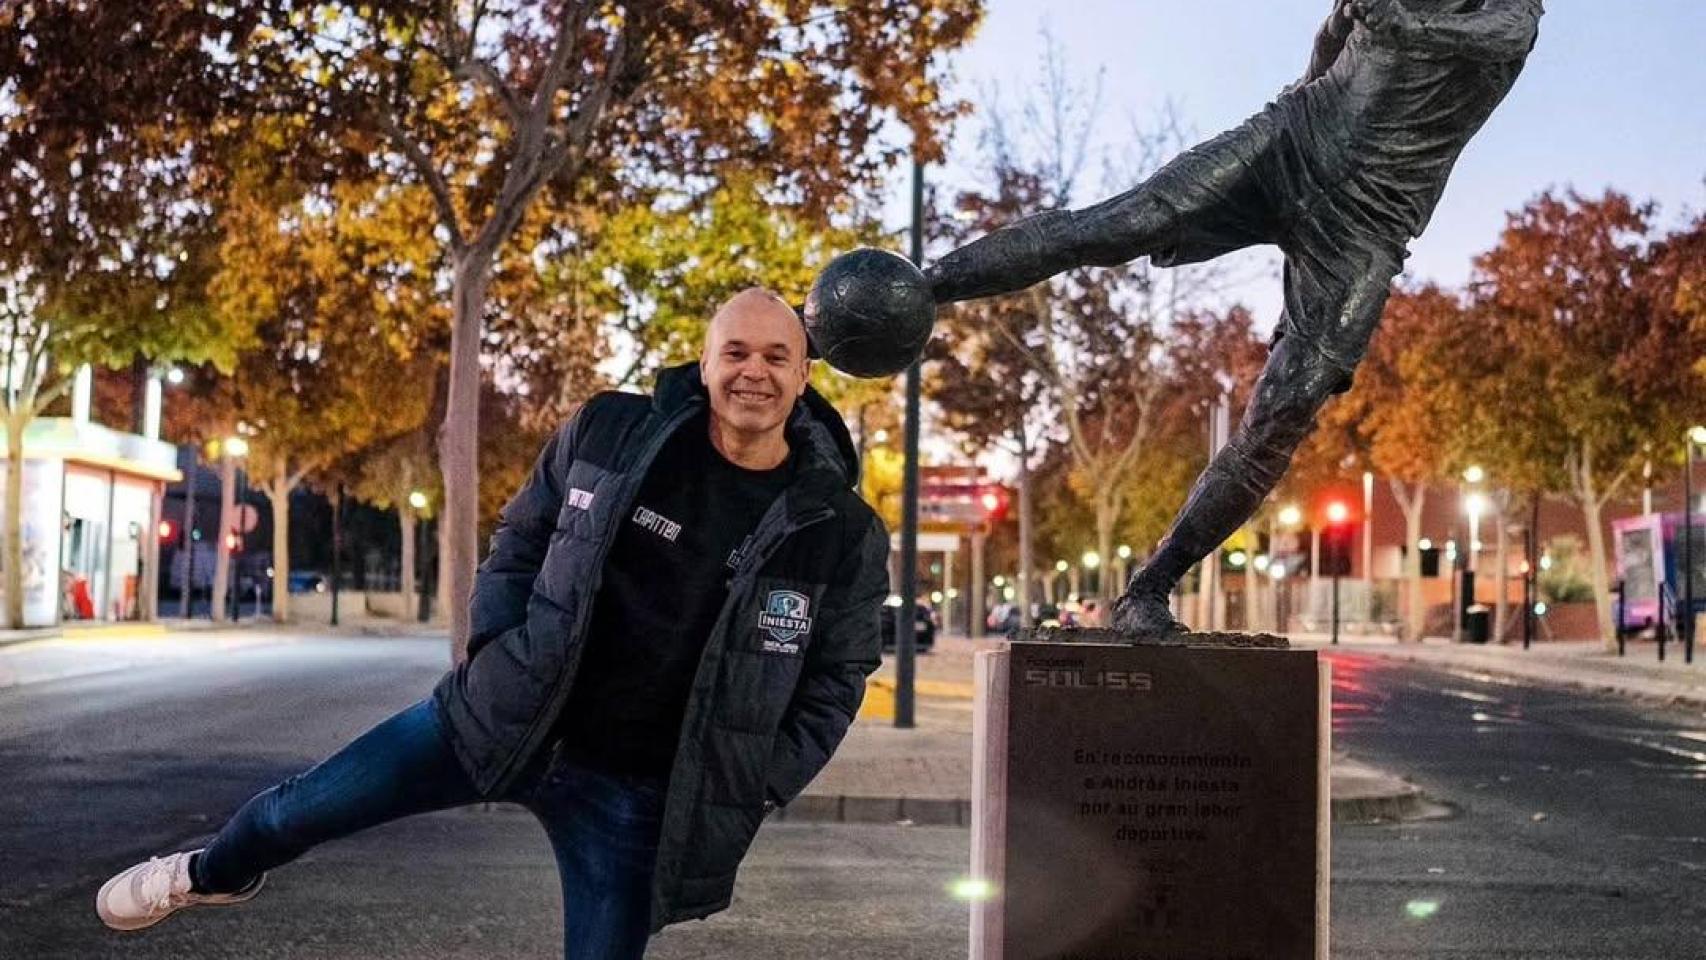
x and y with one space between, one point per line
754 364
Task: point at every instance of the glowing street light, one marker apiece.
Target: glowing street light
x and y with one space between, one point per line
417 500
1060 566
1473 474
1290 515
1124 552
236 447
1091 559
1474 504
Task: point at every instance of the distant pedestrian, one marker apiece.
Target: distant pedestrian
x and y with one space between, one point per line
670 637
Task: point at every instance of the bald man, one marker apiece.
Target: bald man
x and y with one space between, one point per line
671 635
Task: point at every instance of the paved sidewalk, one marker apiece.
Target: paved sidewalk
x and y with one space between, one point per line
1580 664
923 775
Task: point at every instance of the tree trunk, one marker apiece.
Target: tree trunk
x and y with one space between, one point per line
222 547
1107 514
1027 564
279 493
1588 496
406 582
1415 607
15 523
1598 571
459 441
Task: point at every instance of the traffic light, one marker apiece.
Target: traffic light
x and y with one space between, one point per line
994 503
233 543
168 531
1336 541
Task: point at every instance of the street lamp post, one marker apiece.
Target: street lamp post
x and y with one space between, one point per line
1474 504
423 602
1338 529
1696 436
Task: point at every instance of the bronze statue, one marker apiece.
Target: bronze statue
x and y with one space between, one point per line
1341 171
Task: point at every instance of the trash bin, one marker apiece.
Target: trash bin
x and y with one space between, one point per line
1477 623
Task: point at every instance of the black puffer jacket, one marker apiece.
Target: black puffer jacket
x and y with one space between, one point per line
771 700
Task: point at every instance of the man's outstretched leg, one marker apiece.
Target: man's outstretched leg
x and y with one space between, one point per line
1310 362
401 767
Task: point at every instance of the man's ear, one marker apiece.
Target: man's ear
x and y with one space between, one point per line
806 380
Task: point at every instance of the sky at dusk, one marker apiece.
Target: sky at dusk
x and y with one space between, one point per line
1613 96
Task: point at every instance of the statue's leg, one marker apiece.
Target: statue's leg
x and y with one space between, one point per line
1311 360
1210 200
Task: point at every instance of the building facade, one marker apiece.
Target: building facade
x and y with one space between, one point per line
91 511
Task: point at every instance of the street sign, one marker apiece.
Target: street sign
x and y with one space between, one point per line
247 517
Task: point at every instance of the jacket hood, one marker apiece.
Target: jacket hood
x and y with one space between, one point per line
816 431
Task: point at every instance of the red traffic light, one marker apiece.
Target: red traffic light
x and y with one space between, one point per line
168 531
1338 512
994 503
233 543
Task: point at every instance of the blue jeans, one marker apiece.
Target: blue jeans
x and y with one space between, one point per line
603 829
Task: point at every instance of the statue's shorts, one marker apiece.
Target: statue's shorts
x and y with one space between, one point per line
1270 180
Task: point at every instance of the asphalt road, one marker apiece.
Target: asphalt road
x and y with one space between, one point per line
1580 829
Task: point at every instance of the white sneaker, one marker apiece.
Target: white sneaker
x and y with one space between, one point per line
150 892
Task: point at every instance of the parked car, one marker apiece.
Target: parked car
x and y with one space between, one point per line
307 581
924 633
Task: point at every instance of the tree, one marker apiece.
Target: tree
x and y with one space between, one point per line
100 269
662 269
341 317
1401 415
1573 375
389 476
983 369
489 106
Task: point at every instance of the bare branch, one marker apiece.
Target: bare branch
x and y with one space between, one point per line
46 399
486 75
439 187
296 478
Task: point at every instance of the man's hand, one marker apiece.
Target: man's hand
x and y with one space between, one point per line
1385 17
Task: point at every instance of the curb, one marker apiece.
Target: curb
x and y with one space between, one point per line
1409 806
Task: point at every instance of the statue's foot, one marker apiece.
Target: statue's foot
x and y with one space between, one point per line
1141 613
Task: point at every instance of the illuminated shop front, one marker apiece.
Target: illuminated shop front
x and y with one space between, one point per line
91 508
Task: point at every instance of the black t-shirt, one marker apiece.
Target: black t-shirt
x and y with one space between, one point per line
665 580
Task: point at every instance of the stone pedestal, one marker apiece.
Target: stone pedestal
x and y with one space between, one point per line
1160 801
